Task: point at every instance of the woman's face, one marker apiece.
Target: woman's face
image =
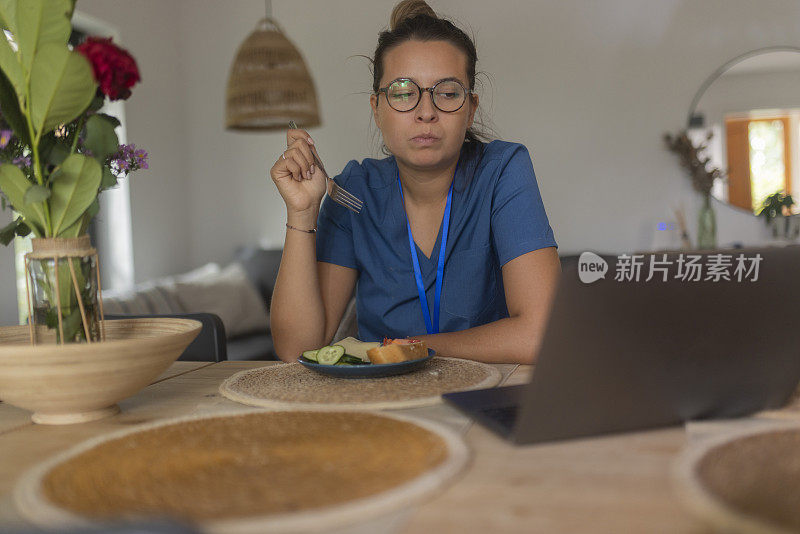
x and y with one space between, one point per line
425 62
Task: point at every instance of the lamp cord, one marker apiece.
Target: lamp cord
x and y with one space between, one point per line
268 8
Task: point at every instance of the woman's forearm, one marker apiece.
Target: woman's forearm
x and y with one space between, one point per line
510 340
517 338
297 314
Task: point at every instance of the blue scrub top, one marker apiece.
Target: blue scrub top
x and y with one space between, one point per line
496 215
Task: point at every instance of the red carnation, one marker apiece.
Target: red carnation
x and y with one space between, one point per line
114 69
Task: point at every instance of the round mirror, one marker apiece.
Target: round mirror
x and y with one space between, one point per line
747 113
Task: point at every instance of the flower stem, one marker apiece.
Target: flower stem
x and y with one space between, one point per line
77 134
37 168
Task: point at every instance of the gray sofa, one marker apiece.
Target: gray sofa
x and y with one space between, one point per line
261 266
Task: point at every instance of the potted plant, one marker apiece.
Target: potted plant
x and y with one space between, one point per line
58 151
702 174
777 212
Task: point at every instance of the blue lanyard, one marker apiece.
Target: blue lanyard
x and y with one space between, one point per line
431 327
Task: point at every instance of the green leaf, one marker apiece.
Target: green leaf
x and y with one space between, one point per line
22 228
11 111
9 63
36 193
81 225
57 154
70 313
90 214
75 185
53 150
72 319
62 86
46 144
73 230
40 23
97 102
93 209
17 227
110 118
8 14
8 232
109 180
100 138
14 185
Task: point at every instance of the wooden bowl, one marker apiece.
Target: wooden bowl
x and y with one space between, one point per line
745 482
74 383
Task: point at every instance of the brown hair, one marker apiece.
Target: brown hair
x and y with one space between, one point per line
416 20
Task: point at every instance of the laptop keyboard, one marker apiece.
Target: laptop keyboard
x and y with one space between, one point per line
505 415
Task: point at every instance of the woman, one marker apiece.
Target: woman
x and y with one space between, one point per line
498 269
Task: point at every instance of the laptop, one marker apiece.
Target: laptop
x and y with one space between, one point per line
622 355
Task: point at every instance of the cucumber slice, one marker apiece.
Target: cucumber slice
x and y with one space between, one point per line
330 355
310 355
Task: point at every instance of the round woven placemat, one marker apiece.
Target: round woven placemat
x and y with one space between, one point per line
746 482
294 386
255 472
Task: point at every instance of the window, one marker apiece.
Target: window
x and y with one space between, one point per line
760 152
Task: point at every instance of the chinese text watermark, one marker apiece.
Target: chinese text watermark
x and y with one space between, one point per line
684 267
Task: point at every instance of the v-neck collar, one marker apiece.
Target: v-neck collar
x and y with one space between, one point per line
435 251
428 263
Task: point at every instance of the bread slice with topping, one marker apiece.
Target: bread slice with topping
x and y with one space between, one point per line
397 350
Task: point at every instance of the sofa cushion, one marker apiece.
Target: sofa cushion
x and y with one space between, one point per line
261 266
154 297
228 294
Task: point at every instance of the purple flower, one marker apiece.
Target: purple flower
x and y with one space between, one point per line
5 137
128 159
22 161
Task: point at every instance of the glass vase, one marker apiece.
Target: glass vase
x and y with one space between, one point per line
706 225
63 285
785 228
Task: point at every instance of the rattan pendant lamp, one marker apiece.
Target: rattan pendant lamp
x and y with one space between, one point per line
269 83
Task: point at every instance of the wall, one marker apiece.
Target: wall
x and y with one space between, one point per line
159 208
589 87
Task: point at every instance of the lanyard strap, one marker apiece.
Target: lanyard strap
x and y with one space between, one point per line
431 326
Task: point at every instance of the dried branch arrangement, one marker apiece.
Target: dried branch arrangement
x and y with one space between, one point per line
694 161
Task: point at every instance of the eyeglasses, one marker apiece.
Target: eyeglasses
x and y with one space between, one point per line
403 94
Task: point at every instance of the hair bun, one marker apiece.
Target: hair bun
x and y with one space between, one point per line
407 9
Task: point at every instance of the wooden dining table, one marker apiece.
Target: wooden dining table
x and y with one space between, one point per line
611 484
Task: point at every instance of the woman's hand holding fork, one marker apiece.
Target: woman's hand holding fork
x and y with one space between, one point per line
300 182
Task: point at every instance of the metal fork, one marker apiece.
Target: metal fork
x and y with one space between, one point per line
337 193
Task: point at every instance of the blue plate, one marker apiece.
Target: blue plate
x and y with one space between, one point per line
368 370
